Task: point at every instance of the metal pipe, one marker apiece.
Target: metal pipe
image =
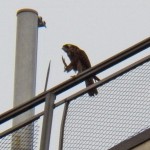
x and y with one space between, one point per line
26 59
25 70
47 122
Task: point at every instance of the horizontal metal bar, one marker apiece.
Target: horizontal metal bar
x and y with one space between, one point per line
21 108
80 78
21 125
104 81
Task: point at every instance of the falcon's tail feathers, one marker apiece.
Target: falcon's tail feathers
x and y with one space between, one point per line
96 78
89 82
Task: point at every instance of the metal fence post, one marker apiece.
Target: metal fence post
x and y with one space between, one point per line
47 121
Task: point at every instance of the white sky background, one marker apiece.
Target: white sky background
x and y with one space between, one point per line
100 27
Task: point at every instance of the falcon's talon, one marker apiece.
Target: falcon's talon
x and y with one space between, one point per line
73 76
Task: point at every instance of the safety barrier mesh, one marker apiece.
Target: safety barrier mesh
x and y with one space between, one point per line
21 139
119 111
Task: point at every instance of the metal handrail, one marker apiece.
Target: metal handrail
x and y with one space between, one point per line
80 78
97 84
72 97
104 81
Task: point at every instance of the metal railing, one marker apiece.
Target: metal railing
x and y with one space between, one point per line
80 78
119 111
49 95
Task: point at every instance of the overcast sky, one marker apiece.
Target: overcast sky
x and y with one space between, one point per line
100 27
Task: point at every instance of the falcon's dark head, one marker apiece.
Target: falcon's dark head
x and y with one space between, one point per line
69 48
66 47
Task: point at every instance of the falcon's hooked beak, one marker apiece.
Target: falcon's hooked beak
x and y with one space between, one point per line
63 48
66 47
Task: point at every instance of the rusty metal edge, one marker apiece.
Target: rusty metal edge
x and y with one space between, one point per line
133 142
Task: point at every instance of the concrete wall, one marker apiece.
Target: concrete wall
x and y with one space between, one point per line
144 146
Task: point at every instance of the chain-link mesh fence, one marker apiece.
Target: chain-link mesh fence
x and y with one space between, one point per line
119 111
21 139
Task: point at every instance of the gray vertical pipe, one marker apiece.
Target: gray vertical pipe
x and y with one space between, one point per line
47 121
25 68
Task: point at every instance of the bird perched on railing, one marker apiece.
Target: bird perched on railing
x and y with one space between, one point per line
79 62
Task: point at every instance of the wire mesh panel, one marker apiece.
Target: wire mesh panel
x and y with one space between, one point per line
14 142
119 111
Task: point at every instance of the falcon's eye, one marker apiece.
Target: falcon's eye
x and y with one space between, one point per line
65 48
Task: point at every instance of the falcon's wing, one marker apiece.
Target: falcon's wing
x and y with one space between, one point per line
84 59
